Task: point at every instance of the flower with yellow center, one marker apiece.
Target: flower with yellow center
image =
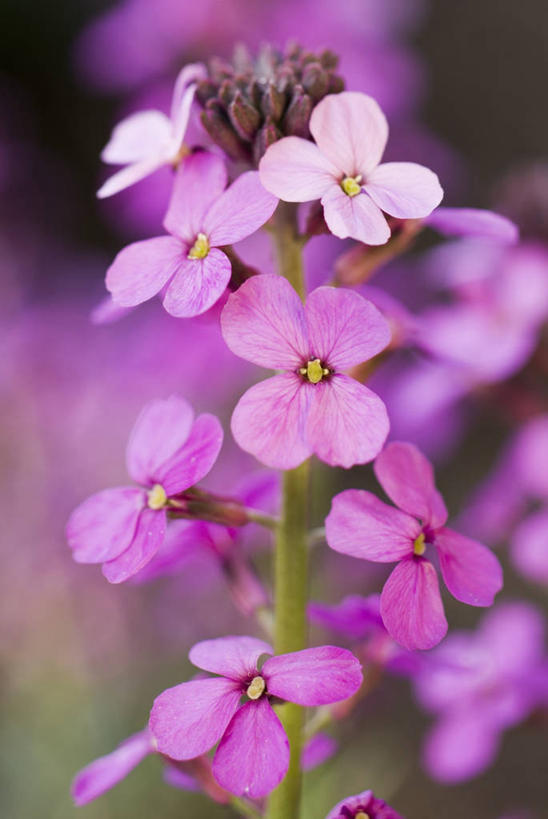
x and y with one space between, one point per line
157 497
256 688
351 185
314 371
200 248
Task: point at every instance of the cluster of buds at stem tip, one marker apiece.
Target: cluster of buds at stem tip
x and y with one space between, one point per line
250 104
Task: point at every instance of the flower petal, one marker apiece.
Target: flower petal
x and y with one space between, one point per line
103 773
484 224
361 525
160 431
234 657
407 477
195 458
529 548
513 634
137 137
183 97
130 175
198 284
317 750
461 745
404 189
103 526
148 537
357 217
269 421
264 322
188 719
253 755
314 676
347 423
344 328
200 180
411 606
140 270
351 130
470 570
241 210
293 169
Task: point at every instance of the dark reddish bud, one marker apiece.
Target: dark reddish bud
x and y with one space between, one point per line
244 117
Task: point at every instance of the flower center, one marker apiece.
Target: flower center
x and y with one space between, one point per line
351 185
314 371
157 497
200 248
361 815
419 546
256 688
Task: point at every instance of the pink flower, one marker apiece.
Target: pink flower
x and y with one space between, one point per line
363 805
168 451
201 218
361 525
253 752
145 141
311 407
102 774
342 169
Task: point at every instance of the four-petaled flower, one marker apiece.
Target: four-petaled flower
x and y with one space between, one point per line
342 169
202 217
312 407
168 451
361 525
253 752
363 806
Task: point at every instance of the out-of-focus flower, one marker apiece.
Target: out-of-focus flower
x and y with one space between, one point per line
317 750
202 217
168 452
529 547
361 525
343 170
253 752
363 806
104 773
484 224
311 407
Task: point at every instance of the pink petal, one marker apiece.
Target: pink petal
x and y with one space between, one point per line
241 210
183 97
314 676
103 773
234 657
195 458
137 137
471 572
264 322
344 328
407 477
404 189
351 130
361 525
460 746
199 181
513 634
347 423
253 755
198 284
160 431
130 175
355 217
411 606
318 750
269 421
140 270
147 539
293 169
188 719
484 224
102 527
529 547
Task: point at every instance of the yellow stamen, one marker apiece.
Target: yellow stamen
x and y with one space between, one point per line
361 815
314 371
419 546
351 185
200 248
157 497
256 688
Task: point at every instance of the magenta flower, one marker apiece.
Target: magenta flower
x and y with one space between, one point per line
363 806
361 525
201 218
312 407
104 773
253 752
145 141
168 452
342 169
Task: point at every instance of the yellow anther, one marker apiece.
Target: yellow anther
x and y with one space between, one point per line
256 688
361 815
419 546
314 371
351 185
157 497
200 248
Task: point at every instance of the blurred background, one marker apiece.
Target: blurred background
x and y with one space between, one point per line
463 85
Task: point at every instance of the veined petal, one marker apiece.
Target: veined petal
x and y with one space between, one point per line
269 421
347 423
103 773
233 657
137 137
198 284
361 525
264 322
188 719
130 175
314 676
344 328
147 539
102 527
484 224
189 464
355 217
241 210
200 180
411 606
470 570
404 189
253 755
140 270
295 170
